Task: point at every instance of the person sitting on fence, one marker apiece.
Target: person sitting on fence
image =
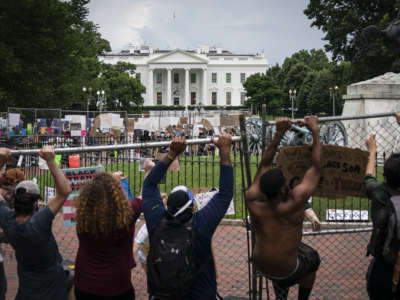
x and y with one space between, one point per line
383 271
105 223
8 181
189 272
28 230
277 215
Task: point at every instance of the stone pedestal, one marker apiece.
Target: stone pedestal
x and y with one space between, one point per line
377 95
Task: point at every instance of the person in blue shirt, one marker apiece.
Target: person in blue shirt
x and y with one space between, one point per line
205 221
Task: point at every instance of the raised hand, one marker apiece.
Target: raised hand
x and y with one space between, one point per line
5 155
148 164
224 143
177 146
119 175
371 143
283 124
47 153
311 122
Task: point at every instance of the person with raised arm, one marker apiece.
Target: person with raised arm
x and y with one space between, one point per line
277 215
28 230
178 218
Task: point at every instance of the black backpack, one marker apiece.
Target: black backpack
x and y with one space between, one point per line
385 239
171 263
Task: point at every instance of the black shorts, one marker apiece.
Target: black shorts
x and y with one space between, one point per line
307 262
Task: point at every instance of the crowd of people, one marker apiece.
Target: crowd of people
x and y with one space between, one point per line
178 258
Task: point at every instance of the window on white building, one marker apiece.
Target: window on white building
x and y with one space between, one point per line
176 100
214 78
242 77
242 98
192 77
214 98
159 98
193 98
228 77
158 78
176 77
228 98
138 76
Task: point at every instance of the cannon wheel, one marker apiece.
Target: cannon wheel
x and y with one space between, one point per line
253 129
334 133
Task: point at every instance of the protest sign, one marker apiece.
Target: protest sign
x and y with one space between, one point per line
77 178
346 215
203 195
342 174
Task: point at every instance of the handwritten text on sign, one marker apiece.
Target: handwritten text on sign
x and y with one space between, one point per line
342 174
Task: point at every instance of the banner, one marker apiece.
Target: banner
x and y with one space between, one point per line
202 198
77 178
343 169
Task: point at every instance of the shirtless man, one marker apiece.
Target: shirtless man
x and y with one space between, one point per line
277 215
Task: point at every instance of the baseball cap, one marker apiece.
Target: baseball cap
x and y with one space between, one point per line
30 187
179 200
12 177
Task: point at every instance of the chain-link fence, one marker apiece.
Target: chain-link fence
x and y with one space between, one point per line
341 245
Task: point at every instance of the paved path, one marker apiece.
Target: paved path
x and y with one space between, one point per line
341 275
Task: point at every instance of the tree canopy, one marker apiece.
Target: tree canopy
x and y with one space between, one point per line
49 51
342 21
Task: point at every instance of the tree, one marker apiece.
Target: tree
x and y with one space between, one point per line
48 52
342 21
262 89
123 91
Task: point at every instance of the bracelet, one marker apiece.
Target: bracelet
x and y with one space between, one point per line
170 157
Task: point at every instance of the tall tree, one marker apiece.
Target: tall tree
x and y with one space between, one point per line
262 89
47 52
342 21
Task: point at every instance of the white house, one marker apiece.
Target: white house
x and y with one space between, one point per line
205 76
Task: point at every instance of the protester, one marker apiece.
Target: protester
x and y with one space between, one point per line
105 226
8 181
282 292
381 275
179 216
28 230
277 215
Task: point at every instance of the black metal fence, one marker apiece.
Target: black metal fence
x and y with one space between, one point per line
341 245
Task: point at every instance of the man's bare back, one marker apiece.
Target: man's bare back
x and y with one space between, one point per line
277 213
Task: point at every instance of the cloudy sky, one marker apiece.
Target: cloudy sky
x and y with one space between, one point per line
278 28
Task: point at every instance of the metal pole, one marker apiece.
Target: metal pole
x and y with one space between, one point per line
334 94
263 127
117 147
292 97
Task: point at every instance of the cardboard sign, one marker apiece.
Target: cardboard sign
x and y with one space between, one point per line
343 169
230 121
203 198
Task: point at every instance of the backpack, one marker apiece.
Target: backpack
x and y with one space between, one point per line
171 263
385 238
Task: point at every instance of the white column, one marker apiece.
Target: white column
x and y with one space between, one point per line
150 88
187 100
169 87
205 89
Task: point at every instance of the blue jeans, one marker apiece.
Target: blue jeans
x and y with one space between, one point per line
3 282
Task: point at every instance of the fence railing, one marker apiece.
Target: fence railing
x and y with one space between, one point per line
342 250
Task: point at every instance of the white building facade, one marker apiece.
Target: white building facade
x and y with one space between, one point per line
205 76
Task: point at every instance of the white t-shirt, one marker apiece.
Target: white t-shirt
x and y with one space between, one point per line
141 238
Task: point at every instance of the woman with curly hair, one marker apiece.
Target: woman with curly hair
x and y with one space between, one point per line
105 223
